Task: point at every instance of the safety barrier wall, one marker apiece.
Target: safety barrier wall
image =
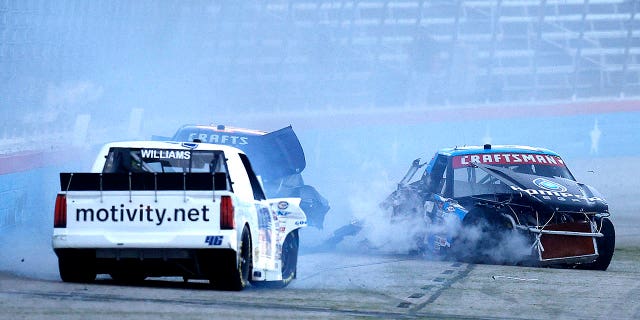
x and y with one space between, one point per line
22 194
29 183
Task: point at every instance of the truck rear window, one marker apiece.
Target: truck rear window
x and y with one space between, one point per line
123 160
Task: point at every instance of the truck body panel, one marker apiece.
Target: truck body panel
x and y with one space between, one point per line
174 204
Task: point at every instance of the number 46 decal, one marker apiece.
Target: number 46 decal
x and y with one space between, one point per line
214 240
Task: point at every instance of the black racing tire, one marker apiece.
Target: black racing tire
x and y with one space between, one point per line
239 266
492 230
290 257
469 249
289 263
606 246
77 265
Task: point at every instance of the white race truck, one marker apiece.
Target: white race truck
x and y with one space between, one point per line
191 210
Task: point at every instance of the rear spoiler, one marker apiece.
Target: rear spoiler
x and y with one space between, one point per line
155 181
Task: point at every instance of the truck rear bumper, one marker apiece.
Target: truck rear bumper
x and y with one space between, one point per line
187 263
221 239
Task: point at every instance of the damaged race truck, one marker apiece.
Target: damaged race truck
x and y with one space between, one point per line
505 204
277 158
191 210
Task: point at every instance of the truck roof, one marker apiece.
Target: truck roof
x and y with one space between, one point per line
222 128
98 164
495 149
171 145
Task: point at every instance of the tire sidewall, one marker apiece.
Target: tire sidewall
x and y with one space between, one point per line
244 259
290 257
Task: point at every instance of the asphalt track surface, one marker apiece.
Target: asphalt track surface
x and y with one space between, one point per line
360 286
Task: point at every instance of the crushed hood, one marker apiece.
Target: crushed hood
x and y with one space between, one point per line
559 194
273 155
277 154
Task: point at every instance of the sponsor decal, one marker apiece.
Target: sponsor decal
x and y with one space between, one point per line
301 223
165 154
142 214
283 213
283 205
214 240
507 159
265 236
441 242
264 218
549 185
559 195
219 138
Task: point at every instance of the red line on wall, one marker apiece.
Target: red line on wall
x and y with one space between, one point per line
28 160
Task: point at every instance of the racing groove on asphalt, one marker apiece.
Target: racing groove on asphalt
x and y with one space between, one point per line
268 301
114 299
61 296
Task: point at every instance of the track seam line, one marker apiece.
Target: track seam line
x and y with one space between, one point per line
446 285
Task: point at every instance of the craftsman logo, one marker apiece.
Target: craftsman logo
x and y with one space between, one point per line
549 185
506 159
219 138
165 154
214 240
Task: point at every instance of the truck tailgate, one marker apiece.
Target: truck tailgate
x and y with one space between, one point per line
142 218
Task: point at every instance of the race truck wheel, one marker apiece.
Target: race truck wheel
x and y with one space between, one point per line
606 246
235 276
289 257
485 238
77 265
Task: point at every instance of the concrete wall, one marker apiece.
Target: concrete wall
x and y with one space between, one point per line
28 185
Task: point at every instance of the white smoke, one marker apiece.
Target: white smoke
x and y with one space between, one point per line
66 100
415 225
493 246
26 251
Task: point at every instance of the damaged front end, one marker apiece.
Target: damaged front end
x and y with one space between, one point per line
564 222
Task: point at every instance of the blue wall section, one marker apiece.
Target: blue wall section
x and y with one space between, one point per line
13 192
28 197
